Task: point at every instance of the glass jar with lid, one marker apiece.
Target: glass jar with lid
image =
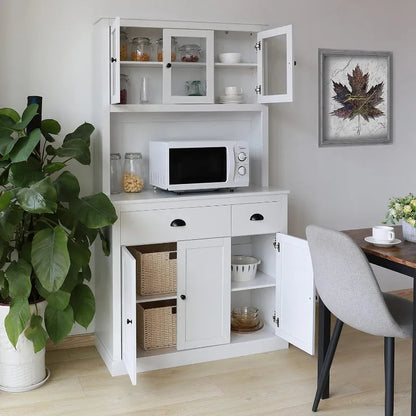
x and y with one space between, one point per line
173 49
132 173
124 45
190 53
140 49
124 81
115 173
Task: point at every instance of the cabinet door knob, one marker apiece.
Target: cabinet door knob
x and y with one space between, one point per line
183 297
178 223
256 217
168 65
129 321
113 59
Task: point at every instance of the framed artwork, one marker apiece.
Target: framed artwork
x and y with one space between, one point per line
354 97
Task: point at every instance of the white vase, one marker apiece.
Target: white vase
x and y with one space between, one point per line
21 369
409 232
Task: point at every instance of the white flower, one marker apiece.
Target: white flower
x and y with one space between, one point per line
398 207
411 221
407 209
392 212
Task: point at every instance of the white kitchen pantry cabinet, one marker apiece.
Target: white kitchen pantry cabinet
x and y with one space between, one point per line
205 228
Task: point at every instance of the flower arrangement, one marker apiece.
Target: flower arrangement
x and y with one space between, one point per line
403 208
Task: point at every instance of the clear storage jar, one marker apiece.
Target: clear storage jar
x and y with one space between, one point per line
140 49
124 46
190 53
173 49
115 173
132 173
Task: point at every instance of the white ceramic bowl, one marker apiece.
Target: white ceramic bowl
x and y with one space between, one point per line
230 57
243 268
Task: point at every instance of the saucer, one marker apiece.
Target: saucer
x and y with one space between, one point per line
382 243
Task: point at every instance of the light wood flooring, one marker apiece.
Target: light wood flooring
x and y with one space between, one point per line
279 383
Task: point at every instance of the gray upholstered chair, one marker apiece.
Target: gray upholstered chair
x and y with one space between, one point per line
348 288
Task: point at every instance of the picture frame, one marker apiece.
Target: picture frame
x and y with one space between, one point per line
355 90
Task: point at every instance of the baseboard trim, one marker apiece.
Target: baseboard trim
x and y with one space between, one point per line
72 341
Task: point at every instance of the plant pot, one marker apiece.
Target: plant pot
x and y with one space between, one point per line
409 232
21 369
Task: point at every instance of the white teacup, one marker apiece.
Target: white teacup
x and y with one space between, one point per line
233 90
383 233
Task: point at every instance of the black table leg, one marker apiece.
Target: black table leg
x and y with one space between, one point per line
324 336
413 393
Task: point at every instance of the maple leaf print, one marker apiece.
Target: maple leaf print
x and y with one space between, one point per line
358 101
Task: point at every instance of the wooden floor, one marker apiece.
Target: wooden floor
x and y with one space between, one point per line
279 383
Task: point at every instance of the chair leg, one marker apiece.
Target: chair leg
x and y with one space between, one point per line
327 363
389 376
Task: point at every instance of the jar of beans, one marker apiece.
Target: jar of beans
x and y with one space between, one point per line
173 48
124 81
132 174
124 42
190 53
140 49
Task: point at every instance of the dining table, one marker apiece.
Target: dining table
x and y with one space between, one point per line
400 258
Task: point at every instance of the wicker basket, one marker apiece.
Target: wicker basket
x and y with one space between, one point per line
156 326
155 269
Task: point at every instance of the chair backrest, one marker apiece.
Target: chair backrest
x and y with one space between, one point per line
346 283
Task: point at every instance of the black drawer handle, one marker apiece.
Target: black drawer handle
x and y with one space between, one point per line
256 217
178 223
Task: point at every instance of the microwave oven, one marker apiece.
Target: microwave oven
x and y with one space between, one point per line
195 165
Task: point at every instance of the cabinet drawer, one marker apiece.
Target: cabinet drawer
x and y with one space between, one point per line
261 218
158 226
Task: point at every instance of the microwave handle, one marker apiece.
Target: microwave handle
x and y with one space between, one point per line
178 223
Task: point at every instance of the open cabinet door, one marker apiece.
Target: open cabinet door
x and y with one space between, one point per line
295 308
275 65
115 61
128 313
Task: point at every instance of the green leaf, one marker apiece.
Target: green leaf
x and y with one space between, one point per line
36 333
50 126
18 276
73 278
50 150
9 112
27 116
5 199
83 132
24 174
105 245
4 176
58 323
94 211
17 319
83 304
78 253
54 167
59 300
6 142
67 187
38 198
86 273
77 149
25 146
50 257
9 219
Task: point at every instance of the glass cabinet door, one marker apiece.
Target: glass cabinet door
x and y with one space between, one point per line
115 61
275 65
188 66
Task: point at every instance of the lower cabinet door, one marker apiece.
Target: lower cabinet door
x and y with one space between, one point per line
295 293
128 313
204 285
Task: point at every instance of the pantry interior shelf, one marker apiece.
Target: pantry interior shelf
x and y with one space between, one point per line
262 280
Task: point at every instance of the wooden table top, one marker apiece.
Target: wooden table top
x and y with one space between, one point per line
403 253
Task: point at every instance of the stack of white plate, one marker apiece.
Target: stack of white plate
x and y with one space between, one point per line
232 99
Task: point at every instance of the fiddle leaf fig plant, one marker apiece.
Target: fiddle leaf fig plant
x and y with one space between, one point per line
46 227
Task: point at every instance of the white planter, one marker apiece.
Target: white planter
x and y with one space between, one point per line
21 369
409 232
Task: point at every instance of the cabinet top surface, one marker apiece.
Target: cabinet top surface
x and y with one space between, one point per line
225 196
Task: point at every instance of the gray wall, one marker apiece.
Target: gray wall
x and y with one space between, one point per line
46 48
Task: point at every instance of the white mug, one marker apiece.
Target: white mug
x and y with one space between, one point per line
233 90
383 233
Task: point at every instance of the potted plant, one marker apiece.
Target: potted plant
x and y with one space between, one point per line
46 232
404 209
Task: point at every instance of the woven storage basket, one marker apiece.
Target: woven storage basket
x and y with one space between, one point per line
156 324
155 269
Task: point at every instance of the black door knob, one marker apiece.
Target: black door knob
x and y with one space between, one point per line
168 65
129 321
183 297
